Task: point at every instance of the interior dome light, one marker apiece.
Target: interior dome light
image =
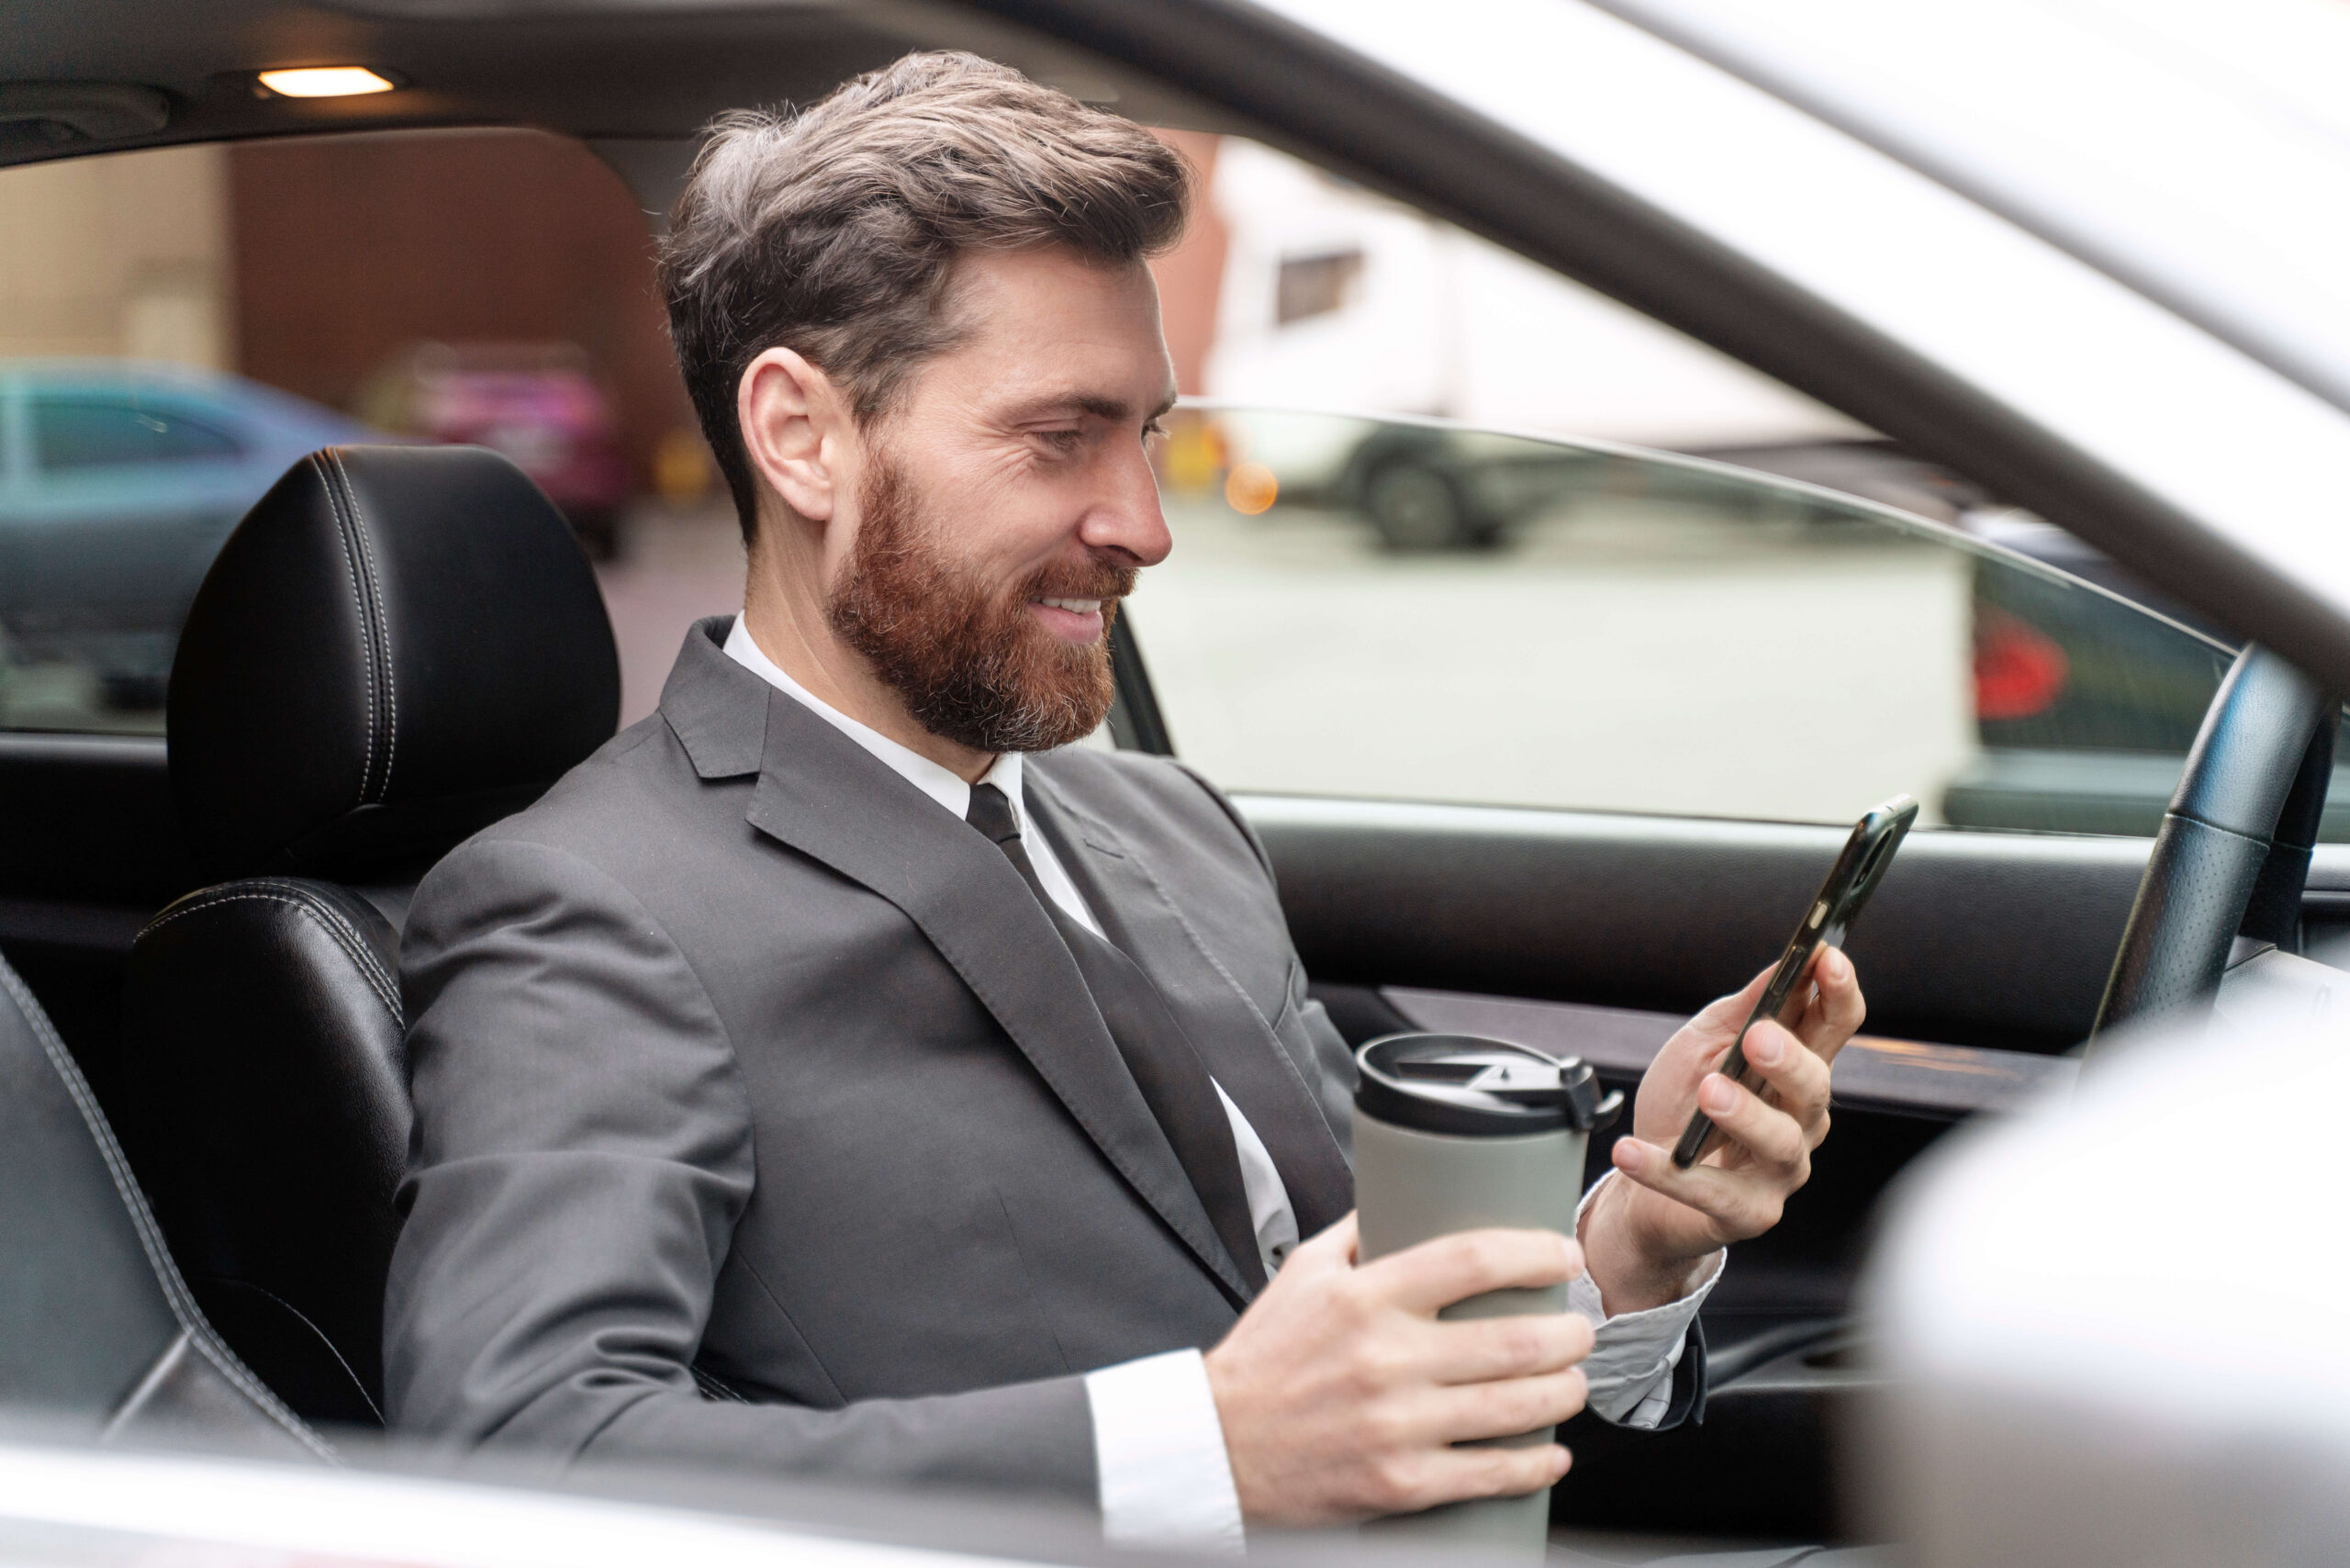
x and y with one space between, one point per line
325 82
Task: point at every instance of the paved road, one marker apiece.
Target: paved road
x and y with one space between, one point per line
1618 662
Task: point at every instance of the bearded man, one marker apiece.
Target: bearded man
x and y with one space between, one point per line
844 1073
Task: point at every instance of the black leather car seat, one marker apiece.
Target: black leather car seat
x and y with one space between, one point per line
395 647
96 1325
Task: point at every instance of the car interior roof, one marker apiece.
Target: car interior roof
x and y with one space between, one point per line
595 69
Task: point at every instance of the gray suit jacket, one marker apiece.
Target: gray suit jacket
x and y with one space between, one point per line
761 1114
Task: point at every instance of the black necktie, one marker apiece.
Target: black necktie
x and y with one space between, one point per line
1165 1064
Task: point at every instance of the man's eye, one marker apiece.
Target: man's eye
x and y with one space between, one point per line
1154 432
1062 440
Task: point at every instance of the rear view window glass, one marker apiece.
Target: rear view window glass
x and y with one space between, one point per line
96 432
180 326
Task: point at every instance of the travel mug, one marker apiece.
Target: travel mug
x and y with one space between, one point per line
1454 1132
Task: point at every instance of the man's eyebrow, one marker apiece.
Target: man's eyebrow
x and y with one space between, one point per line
1117 410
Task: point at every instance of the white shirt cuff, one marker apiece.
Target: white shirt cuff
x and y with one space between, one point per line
1159 1452
1634 1354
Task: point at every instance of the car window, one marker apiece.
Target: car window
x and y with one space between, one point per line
179 327
1408 609
71 434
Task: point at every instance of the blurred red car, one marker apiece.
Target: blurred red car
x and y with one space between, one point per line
534 403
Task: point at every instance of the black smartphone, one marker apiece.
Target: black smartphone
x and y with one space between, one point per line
1854 877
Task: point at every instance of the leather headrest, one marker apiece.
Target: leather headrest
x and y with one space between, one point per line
398 645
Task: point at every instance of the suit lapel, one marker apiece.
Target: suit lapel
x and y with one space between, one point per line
1230 1034
827 798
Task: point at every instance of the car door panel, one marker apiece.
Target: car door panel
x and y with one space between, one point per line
1596 935
1998 940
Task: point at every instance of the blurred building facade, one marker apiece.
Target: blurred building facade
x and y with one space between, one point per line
120 257
348 253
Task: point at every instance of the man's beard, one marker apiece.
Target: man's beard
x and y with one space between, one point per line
970 662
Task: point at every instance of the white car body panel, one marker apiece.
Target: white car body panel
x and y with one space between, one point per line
225 1511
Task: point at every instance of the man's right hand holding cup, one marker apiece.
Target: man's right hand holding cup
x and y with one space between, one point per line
1342 1395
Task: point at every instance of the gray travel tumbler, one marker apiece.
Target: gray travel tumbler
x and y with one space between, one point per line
1454 1132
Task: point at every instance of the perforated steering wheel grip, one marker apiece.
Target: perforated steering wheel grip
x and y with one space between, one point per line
2233 848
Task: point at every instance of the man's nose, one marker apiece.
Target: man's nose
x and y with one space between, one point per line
1126 516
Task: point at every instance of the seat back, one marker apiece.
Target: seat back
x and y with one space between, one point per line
270 1112
95 1323
397 646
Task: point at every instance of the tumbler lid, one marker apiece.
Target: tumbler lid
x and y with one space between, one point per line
1470 1086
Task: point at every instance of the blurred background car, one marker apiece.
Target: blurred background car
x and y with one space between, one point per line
537 403
2084 715
118 481
1421 486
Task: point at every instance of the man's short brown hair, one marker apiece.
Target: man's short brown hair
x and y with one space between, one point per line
834 229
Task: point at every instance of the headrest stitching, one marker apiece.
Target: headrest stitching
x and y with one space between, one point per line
382 628
334 481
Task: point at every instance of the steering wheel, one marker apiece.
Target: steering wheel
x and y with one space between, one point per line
2233 850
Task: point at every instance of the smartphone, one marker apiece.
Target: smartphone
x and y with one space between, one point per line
1855 875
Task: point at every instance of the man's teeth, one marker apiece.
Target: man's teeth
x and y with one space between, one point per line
1074 606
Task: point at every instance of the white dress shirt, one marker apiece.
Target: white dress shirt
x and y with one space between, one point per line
1158 1446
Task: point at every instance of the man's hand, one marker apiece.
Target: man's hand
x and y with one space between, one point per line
1653 1237
1340 1393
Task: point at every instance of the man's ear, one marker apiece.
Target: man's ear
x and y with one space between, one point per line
794 423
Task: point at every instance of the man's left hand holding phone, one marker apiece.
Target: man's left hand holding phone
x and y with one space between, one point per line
1655 1235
